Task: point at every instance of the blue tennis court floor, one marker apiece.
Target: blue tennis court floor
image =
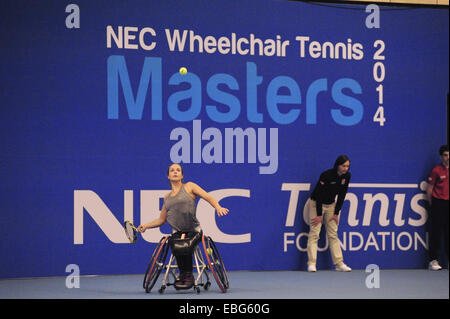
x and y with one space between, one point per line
326 284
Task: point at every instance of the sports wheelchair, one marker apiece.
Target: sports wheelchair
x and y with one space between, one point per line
213 262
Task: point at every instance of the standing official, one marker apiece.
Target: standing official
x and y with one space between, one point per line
323 207
437 194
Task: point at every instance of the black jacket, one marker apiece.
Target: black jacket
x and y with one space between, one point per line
329 185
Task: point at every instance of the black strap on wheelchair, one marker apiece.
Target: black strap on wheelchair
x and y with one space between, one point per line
184 246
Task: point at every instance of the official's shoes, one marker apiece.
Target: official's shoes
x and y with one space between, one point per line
343 267
434 265
312 268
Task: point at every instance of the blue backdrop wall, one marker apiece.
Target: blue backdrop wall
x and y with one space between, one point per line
93 111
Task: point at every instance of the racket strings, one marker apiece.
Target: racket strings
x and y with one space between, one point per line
130 232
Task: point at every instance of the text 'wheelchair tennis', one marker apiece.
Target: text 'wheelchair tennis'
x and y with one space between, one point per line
214 264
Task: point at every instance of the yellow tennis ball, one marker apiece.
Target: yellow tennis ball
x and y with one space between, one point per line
209 251
183 70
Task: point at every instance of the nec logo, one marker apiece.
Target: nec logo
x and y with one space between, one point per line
88 201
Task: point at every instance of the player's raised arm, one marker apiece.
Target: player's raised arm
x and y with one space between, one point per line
198 191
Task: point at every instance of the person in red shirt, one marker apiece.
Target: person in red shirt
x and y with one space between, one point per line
437 194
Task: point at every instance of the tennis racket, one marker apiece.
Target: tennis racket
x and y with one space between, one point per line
130 231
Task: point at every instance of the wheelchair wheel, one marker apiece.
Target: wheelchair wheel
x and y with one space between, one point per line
215 263
156 264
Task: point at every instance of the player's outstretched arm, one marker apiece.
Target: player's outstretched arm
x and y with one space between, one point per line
198 191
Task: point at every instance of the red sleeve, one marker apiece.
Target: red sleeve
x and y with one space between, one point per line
432 178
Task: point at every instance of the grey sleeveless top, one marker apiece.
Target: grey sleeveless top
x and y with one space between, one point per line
181 211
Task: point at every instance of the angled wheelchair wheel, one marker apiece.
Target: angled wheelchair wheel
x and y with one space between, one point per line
216 264
156 264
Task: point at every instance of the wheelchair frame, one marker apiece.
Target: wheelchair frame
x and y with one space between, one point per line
214 264
200 266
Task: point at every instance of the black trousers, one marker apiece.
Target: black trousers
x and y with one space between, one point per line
184 262
439 227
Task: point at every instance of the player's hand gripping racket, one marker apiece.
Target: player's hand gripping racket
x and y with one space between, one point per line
130 231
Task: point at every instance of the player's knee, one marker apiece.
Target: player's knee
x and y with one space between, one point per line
184 246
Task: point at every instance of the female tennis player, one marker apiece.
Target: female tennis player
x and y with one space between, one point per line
179 210
324 208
